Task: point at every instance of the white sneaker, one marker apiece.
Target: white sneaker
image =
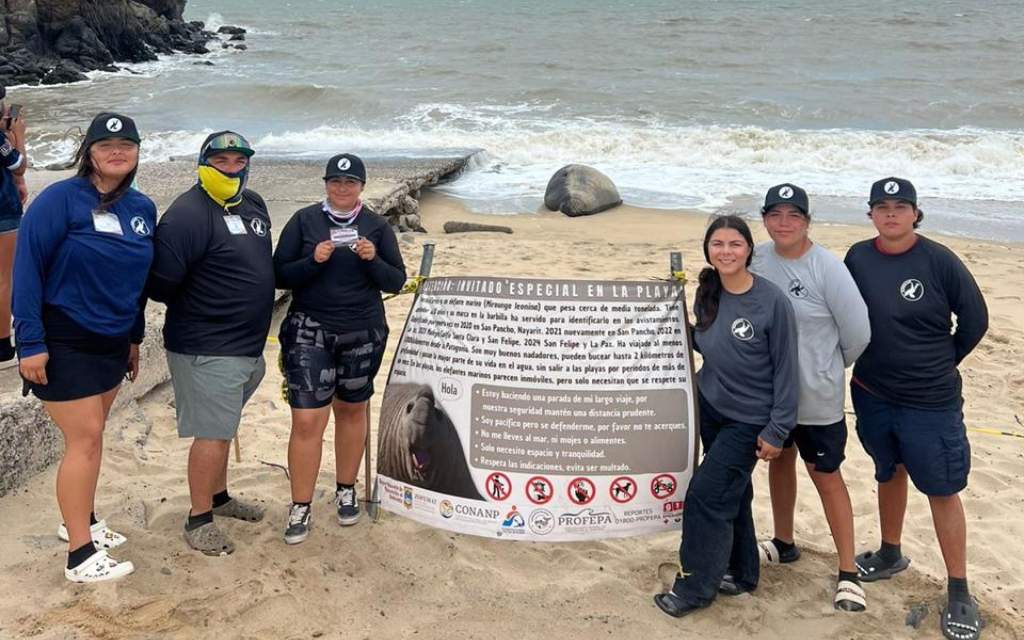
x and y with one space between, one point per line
99 567
102 536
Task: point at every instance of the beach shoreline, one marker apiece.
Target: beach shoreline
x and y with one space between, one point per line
398 579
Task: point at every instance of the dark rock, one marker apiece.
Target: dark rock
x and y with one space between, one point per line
204 63
463 227
241 47
230 30
238 37
63 72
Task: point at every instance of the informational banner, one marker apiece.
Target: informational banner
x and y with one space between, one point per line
540 409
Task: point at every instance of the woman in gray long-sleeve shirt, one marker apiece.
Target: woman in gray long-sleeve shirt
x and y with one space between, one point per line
748 402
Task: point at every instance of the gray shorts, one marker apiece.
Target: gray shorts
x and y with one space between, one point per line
210 391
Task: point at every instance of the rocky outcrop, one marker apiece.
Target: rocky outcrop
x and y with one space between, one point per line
54 41
453 226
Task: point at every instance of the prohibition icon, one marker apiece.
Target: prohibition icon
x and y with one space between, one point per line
622 489
539 490
498 486
581 491
663 486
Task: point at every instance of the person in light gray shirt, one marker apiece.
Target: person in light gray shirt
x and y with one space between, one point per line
833 326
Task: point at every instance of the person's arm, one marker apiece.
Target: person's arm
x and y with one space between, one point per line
179 242
293 268
848 310
782 347
43 228
387 269
11 159
967 302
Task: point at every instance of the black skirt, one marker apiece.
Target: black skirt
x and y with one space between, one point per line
82 363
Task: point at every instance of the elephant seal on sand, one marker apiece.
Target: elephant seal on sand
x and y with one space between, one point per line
579 190
418 443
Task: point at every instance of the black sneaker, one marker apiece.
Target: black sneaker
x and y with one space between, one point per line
348 506
300 518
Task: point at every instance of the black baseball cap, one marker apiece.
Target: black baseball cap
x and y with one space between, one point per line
786 193
892 189
112 125
345 165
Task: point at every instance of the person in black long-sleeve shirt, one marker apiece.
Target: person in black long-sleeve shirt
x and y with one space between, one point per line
336 256
906 388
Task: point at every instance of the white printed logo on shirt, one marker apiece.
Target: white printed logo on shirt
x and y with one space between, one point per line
139 226
912 289
742 329
258 227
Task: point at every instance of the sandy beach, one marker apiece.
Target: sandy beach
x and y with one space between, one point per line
398 579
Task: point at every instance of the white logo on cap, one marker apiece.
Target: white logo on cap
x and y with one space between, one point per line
786 192
344 164
114 125
139 226
742 329
891 187
258 227
912 289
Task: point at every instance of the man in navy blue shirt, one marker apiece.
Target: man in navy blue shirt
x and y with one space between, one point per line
906 388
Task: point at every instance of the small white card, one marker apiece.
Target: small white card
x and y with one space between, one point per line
344 236
235 225
106 222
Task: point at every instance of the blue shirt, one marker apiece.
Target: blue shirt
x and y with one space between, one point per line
67 259
10 160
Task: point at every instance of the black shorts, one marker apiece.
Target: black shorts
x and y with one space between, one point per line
823 445
319 364
82 363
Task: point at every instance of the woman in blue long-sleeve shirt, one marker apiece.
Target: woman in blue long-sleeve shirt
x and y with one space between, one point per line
82 257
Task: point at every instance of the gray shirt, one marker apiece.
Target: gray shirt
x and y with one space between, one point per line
750 360
832 322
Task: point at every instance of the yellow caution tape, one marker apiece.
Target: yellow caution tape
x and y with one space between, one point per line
680 276
412 286
996 432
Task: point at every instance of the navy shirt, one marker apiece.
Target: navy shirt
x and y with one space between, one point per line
913 355
750 360
91 268
10 160
342 293
215 272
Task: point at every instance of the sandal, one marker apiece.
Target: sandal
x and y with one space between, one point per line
849 596
961 620
871 566
671 604
236 508
99 567
770 554
103 537
210 540
728 586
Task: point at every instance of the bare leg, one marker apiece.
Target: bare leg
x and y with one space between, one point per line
7 242
782 486
835 500
207 464
892 505
349 439
82 422
951 530
305 448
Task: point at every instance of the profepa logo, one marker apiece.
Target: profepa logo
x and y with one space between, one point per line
912 289
139 226
258 227
797 289
786 193
586 518
114 125
344 164
892 187
742 329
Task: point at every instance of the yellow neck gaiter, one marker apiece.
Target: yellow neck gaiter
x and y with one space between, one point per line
224 189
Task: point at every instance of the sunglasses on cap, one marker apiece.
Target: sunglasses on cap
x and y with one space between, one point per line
227 141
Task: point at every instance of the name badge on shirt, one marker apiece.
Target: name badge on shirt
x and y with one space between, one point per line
235 225
106 222
344 236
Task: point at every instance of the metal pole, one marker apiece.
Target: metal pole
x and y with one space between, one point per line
675 265
372 496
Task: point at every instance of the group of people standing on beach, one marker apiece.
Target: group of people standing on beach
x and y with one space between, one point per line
777 326
90 254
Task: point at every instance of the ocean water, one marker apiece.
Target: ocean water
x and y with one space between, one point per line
694 104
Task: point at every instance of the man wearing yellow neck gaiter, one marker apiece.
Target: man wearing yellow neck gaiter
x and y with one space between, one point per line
213 268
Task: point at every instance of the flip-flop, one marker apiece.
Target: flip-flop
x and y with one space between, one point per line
871 566
849 596
770 554
961 620
728 586
671 604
